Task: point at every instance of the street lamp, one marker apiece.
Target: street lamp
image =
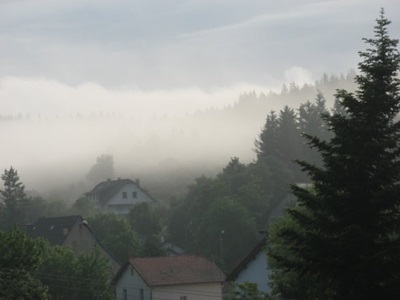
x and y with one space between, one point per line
220 246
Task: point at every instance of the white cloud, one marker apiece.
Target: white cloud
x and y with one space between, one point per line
299 76
160 44
51 98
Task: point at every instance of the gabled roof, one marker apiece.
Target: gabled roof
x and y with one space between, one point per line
55 229
245 261
173 270
107 189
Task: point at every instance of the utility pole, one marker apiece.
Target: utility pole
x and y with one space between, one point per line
220 247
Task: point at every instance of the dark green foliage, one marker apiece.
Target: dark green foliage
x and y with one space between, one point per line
246 291
346 233
238 202
280 137
20 257
69 276
287 284
217 233
288 137
115 233
34 208
284 137
18 208
151 247
84 207
311 123
144 220
13 197
267 143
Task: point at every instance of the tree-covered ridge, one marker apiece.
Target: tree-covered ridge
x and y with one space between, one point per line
284 135
344 233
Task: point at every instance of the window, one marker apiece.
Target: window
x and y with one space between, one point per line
141 294
134 195
124 195
132 272
125 294
183 298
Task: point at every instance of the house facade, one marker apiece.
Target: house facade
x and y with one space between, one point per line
73 232
118 196
253 268
174 277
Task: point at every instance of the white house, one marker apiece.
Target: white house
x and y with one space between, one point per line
119 195
186 277
253 268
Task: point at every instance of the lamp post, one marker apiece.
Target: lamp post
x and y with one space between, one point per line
220 246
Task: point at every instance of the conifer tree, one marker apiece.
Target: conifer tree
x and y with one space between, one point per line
13 197
346 228
311 123
289 139
267 144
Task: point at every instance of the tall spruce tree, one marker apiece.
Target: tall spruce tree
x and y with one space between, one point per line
13 197
267 144
311 123
289 139
346 232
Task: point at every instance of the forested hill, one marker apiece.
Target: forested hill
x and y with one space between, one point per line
195 144
256 105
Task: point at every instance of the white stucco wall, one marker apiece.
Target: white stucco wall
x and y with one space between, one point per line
199 291
120 205
132 283
257 271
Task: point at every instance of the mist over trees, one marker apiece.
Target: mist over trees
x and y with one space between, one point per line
102 169
283 135
192 144
237 200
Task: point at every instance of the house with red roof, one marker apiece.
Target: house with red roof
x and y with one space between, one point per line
118 196
186 277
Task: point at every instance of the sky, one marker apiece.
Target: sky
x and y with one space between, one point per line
141 59
172 56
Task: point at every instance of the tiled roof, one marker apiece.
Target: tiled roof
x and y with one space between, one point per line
55 229
171 270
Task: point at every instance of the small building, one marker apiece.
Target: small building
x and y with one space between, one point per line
253 268
170 248
73 232
187 277
118 196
